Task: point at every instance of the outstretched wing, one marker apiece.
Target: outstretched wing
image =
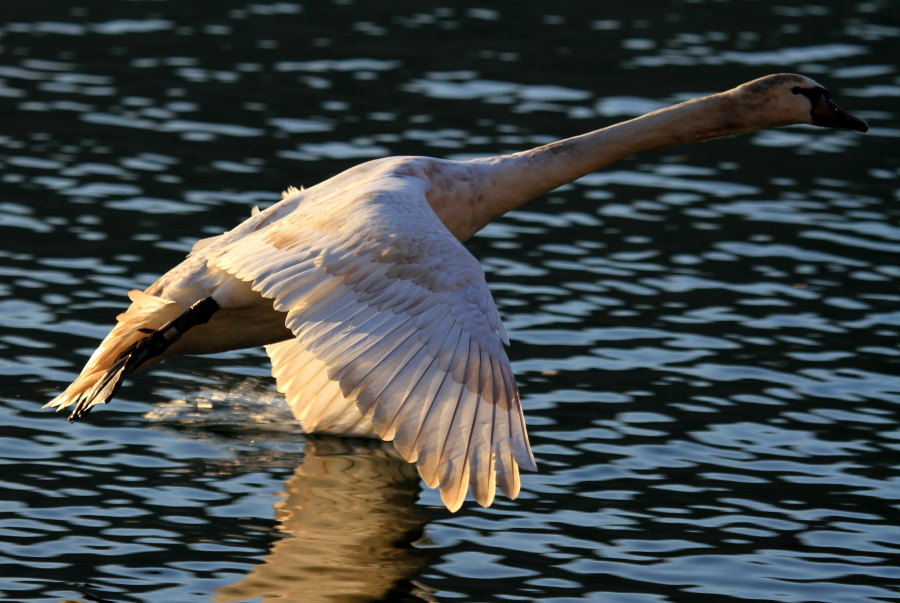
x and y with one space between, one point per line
380 292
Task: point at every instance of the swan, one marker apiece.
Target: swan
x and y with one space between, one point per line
377 321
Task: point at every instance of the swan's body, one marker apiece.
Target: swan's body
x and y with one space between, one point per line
377 320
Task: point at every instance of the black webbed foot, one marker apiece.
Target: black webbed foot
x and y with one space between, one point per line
141 352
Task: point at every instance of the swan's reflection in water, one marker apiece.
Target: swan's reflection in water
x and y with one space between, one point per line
348 512
350 519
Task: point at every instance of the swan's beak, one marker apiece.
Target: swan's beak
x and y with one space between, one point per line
827 114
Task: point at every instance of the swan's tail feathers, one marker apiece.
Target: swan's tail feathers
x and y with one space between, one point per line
143 333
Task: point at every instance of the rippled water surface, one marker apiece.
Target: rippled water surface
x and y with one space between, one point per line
705 337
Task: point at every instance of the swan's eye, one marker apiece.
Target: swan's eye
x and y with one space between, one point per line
796 90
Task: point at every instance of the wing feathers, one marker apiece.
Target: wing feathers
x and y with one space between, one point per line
395 332
374 373
389 402
315 400
408 423
435 427
483 476
454 455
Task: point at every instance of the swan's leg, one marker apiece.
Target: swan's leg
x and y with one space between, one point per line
154 344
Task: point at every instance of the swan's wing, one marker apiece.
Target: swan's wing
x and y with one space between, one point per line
381 293
316 401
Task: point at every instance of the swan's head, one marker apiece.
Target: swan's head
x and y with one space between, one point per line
786 98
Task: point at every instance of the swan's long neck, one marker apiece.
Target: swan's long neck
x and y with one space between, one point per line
500 184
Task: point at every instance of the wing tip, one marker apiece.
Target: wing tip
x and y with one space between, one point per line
453 498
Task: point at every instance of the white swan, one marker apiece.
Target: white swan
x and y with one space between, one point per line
377 320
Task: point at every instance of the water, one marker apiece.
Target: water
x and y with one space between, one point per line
706 338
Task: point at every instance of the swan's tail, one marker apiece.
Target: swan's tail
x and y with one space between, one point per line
144 331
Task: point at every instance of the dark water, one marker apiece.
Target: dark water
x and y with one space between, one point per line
706 338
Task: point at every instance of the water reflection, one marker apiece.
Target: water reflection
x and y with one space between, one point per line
350 522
